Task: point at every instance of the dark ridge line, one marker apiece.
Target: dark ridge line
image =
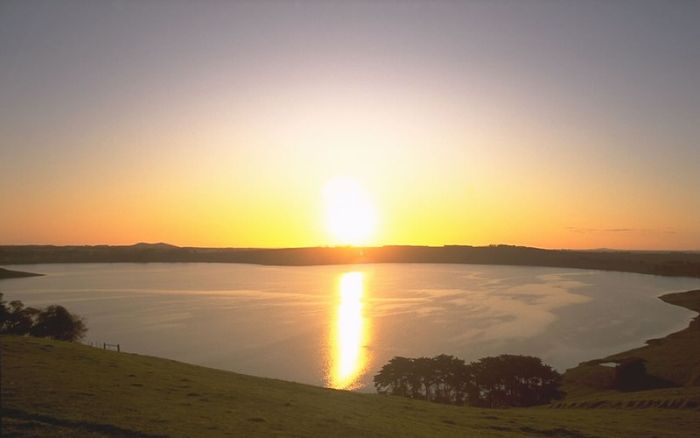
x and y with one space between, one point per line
674 264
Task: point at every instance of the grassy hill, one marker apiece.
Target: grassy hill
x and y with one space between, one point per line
52 388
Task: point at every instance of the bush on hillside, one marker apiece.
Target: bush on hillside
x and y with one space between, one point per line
54 322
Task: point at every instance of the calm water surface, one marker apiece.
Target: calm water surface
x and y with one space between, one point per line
337 325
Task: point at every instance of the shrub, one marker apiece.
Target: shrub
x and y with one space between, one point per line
53 322
57 323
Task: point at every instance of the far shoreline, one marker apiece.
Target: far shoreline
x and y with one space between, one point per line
662 263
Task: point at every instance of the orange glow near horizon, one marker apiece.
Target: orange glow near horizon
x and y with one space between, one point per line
415 177
350 333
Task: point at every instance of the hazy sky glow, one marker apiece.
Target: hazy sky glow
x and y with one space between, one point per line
542 123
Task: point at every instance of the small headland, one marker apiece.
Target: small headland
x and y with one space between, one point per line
8 273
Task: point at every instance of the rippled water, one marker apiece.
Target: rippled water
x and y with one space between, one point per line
337 325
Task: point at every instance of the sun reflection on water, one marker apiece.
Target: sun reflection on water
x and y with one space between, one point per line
348 357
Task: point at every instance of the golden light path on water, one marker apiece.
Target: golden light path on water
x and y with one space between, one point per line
348 358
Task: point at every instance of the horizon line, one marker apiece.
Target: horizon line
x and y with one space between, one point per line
349 246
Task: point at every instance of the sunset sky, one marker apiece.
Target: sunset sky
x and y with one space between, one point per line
541 123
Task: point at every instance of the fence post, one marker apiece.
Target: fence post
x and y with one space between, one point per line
104 345
118 350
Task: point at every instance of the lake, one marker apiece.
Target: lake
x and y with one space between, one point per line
337 325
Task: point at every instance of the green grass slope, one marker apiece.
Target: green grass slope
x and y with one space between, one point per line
52 388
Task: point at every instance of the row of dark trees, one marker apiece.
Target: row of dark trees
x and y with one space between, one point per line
51 322
506 380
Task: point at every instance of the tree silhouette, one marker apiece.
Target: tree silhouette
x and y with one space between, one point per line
57 323
510 380
15 318
452 378
393 377
443 378
505 380
53 322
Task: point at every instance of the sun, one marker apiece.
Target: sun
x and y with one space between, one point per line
351 218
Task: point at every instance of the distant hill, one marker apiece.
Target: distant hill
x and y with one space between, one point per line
667 263
159 245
